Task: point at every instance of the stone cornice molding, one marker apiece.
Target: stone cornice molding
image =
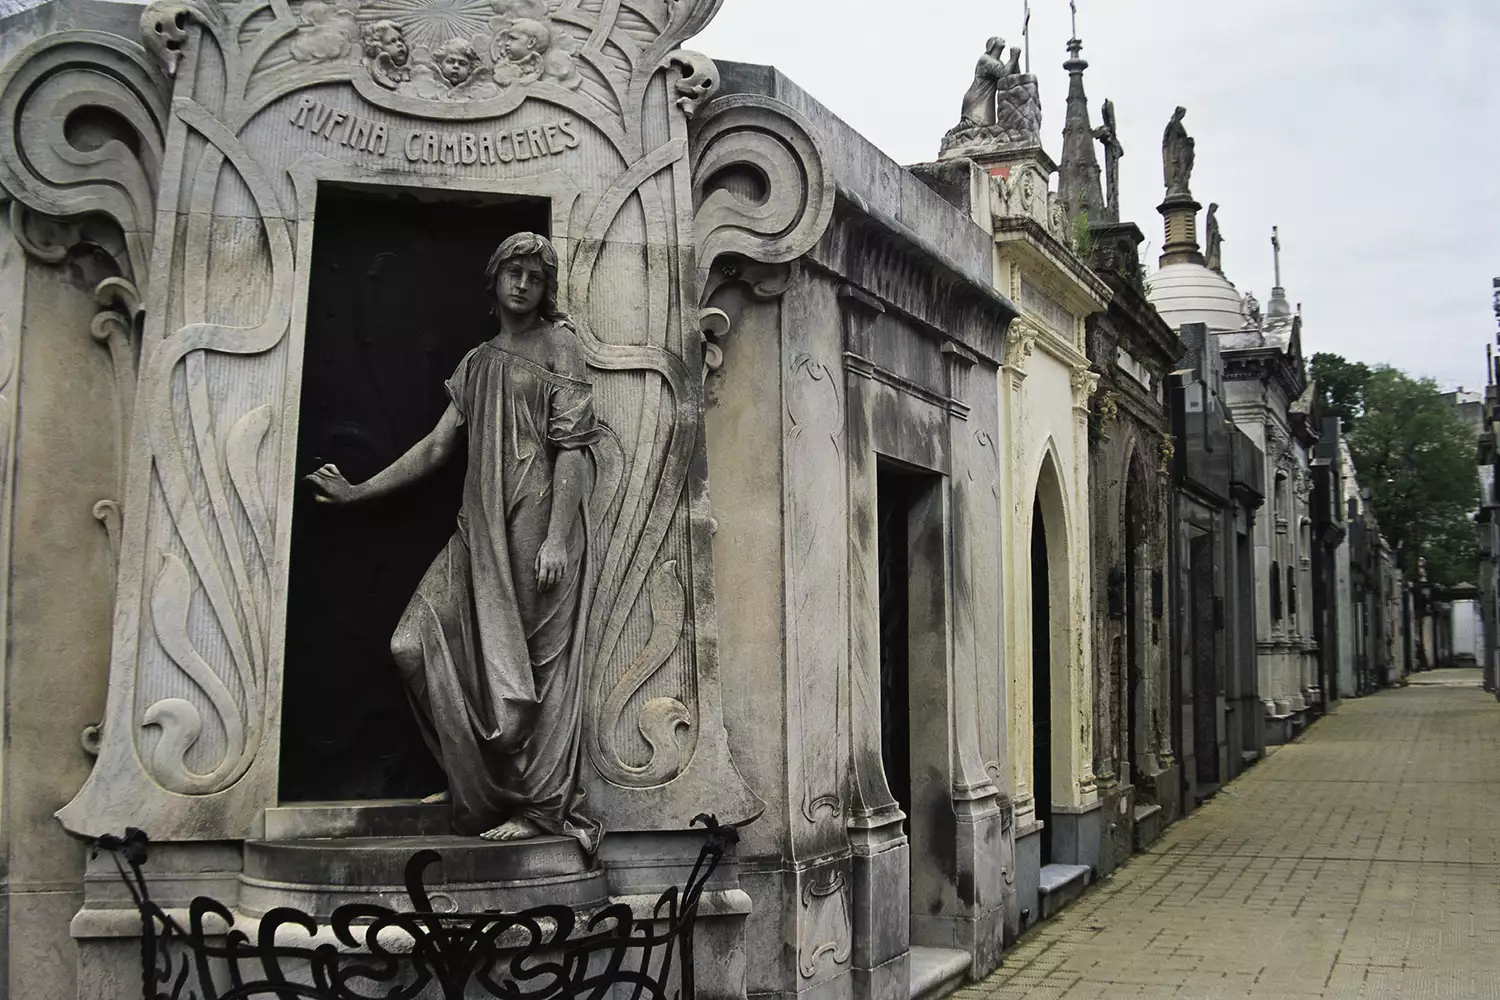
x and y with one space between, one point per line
875 252
1056 267
1140 327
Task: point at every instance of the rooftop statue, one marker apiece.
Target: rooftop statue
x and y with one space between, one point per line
1177 155
1002 107
1108 135
979 101
1215 240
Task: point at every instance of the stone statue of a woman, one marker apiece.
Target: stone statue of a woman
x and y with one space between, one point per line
979 101
491 642
1177 155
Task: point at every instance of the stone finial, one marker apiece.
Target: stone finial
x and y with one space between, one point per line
1078 181
1279 309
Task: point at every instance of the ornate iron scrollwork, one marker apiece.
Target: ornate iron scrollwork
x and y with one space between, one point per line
366 951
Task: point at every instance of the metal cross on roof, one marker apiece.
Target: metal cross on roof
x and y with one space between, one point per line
1026 35
1073 6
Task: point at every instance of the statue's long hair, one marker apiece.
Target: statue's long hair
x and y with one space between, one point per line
524 245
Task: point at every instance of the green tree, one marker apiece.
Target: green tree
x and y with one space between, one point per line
1420 463
1341 385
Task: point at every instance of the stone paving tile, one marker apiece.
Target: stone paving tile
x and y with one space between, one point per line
1361 862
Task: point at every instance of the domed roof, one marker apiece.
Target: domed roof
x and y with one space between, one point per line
1192 293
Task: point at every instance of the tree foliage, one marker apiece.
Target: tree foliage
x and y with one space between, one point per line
1415 456
1341 385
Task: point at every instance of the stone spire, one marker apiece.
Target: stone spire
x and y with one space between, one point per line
1078 180
1279 309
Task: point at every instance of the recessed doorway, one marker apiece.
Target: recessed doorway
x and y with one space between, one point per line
396 298
1041 679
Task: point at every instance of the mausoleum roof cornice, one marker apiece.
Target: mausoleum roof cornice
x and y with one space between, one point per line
1027 241
910 276
1143 331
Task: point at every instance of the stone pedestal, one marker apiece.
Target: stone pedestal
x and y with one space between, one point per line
1181 214
319 876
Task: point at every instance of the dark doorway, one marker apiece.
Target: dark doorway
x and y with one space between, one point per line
894 505
1041 680
396 298
1134 630
1205 664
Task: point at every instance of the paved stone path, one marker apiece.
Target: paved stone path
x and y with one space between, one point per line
1362 861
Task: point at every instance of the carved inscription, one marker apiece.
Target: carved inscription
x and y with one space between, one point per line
345 128
337 125
533 143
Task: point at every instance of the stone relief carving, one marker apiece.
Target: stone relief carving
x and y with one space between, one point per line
1020 342
1085 382
1057 218
1000 193
815 440
326 30
195 678
828 928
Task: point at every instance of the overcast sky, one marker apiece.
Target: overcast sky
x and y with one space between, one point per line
1368 130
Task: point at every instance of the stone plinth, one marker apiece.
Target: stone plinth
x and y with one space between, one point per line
1018 123
1181 214
319 876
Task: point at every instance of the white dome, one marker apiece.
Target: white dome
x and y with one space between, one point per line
1192 293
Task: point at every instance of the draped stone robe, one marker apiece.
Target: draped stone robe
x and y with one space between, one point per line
491 662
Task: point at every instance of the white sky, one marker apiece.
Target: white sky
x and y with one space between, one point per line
1368 130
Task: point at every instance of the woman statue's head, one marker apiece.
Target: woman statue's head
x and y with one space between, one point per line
522 273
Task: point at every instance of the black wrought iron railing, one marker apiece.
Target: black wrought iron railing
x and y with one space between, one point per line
364 951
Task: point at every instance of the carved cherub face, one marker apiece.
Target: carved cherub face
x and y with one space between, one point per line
523 39
384 38
521 284
456 66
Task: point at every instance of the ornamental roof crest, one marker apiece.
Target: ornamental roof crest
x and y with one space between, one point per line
447 58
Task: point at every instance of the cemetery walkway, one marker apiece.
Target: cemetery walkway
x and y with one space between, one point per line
1362 861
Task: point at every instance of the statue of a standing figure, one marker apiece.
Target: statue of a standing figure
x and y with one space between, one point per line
1177 155
490 644
1215 240
1108 135
979 101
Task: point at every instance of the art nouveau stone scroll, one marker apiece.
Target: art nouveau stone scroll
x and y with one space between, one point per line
229 127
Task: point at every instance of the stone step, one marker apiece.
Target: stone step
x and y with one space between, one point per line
1060 885
937 972
1149 825
372 818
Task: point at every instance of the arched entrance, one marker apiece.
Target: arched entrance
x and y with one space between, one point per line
1050 646
1041 679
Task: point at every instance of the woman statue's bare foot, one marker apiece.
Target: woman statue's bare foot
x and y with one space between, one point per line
519 828
437 798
